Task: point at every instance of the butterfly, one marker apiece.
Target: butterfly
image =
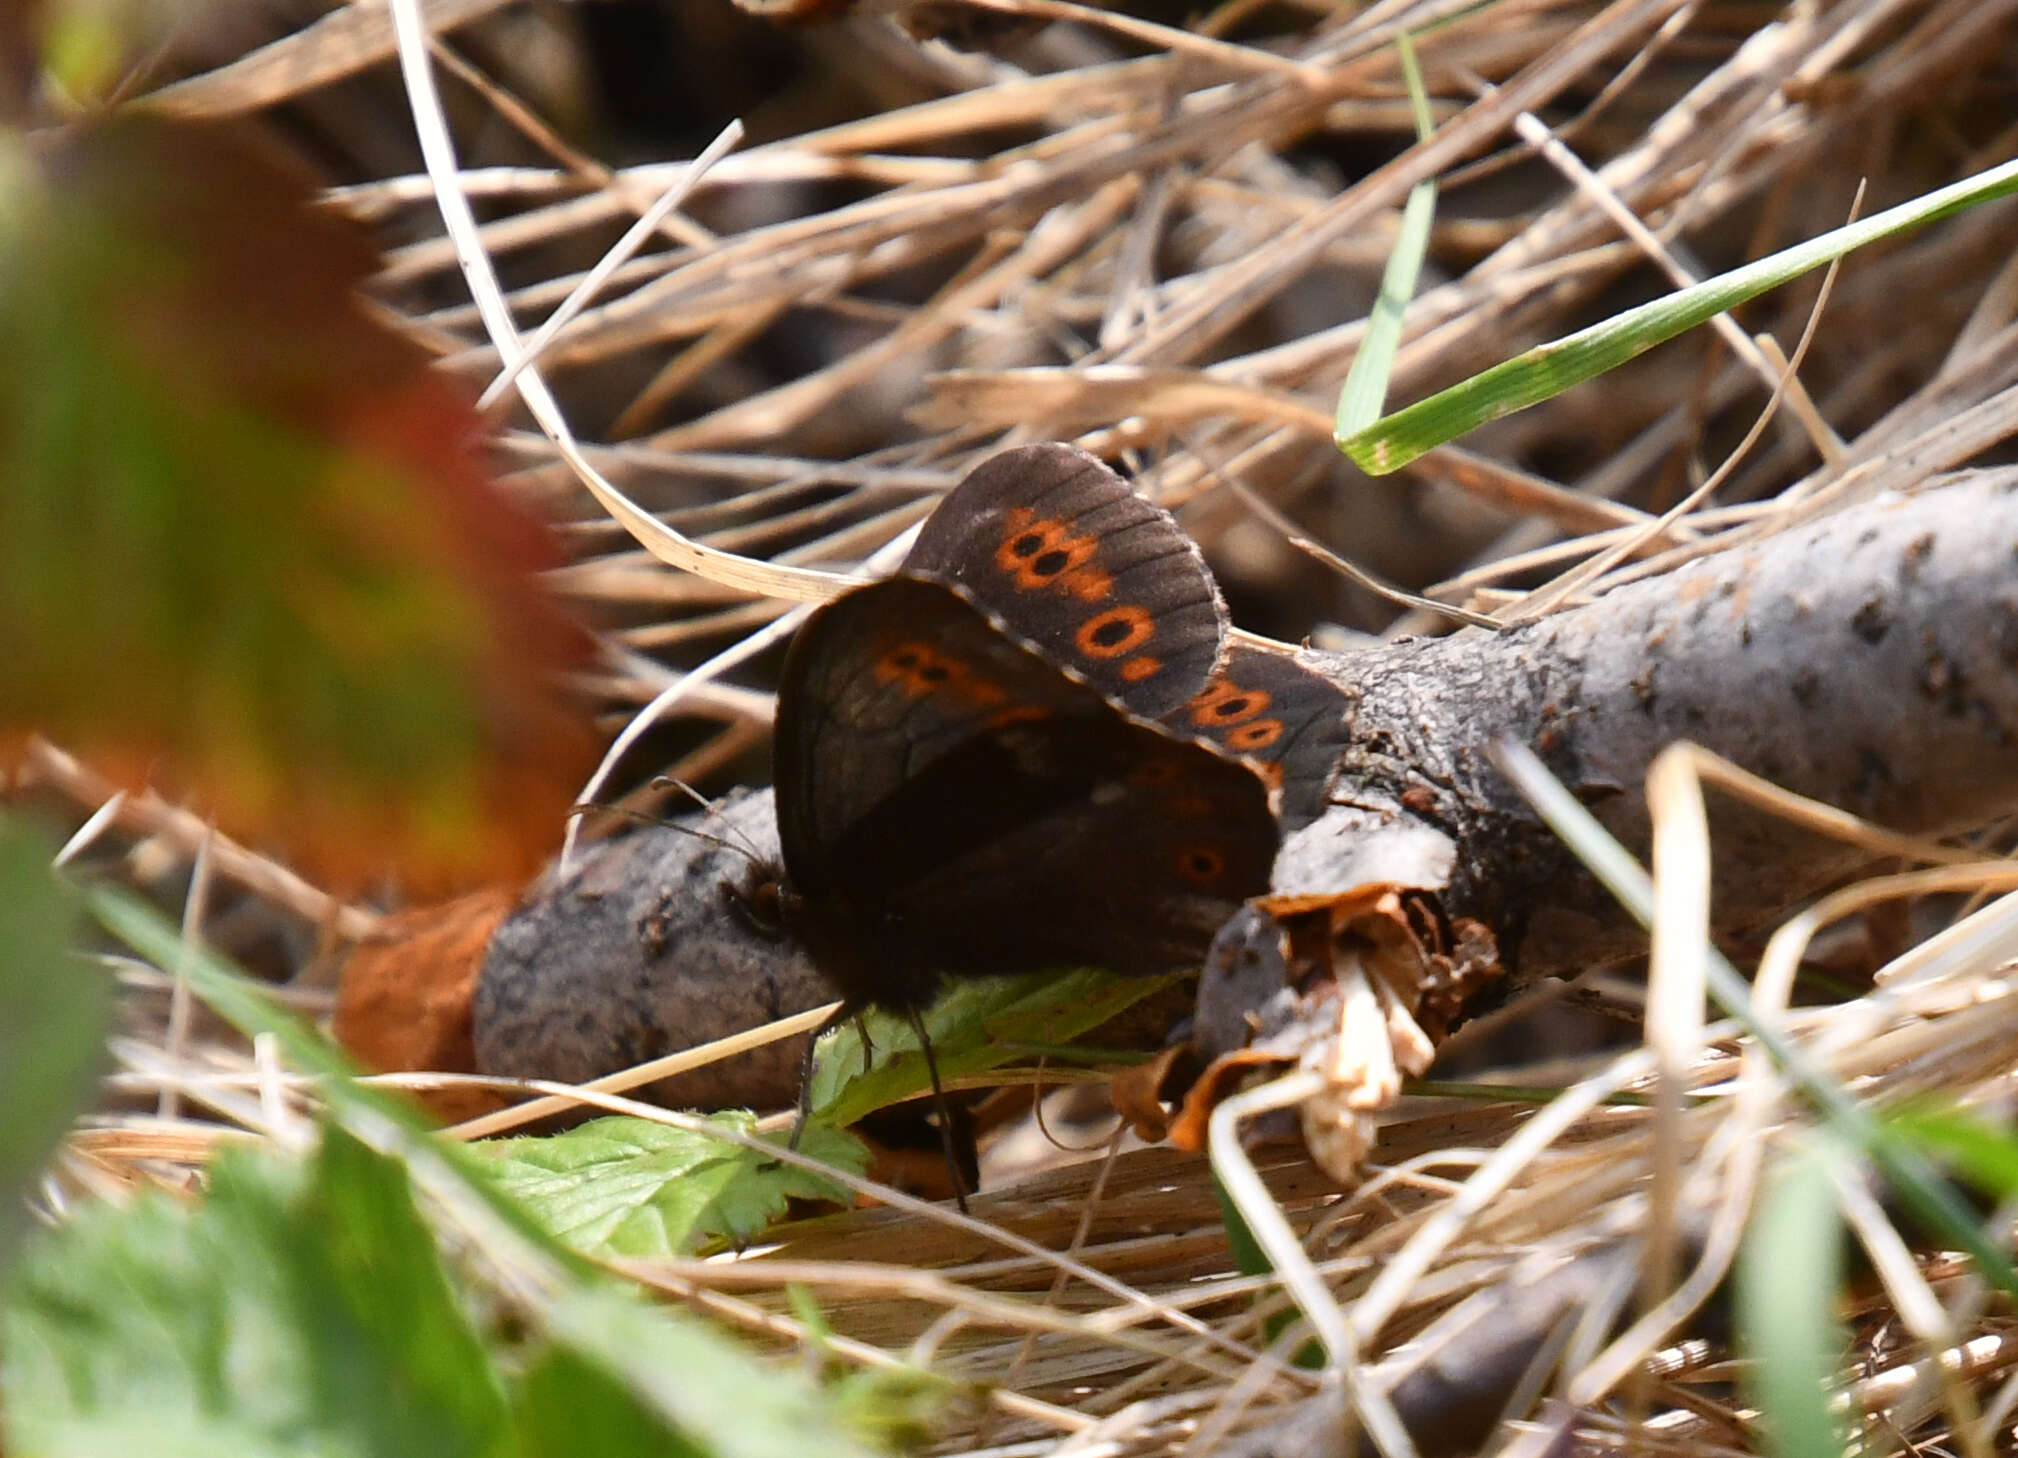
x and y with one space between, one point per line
1031 749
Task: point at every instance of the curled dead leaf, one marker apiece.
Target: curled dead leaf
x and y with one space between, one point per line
1357 987
1139 1093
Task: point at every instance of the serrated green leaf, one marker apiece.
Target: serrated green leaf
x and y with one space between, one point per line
1789 1275
978 1024
632 1187
57 1008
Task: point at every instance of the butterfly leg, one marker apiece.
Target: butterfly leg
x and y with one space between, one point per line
841 1015
945 1110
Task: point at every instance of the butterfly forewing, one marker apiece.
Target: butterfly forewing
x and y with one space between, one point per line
1065 556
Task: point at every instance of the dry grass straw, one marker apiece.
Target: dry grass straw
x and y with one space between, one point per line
1158 263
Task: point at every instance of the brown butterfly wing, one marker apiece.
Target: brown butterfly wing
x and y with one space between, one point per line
1120 848
1065 556
949 803
877 687
1279 716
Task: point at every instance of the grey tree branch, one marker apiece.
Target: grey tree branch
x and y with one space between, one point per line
1868 658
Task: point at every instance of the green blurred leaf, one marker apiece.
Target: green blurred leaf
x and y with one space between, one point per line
632 1187
264 510
894 1407
56 1010
780 1414
1983 1153
978 1024
298 1309
1790 1273
733 1405
569 1407
92 49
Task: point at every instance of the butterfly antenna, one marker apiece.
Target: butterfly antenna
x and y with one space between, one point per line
945 1109
659 822
673 782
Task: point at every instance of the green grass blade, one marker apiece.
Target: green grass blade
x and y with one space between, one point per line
1365 388
1547 370
1789 1275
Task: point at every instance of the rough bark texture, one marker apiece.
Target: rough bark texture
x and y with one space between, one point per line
1868 658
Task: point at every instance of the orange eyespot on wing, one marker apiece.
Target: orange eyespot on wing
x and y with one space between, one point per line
1142 666
1114 633
1253 737
918 670
1040 552
1225 702
1201 865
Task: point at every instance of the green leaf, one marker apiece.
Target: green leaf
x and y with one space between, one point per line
1547 370
894 1407
748 1410
296 1310
731 1404
979 1024
1983 1153
1789 1275
264 509
632 1187
57 1007
568 1406
384 1315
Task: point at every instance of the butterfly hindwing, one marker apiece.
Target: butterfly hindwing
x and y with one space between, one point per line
1283 718
1129 857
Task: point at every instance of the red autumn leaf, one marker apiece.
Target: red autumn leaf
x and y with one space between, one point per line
246 543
